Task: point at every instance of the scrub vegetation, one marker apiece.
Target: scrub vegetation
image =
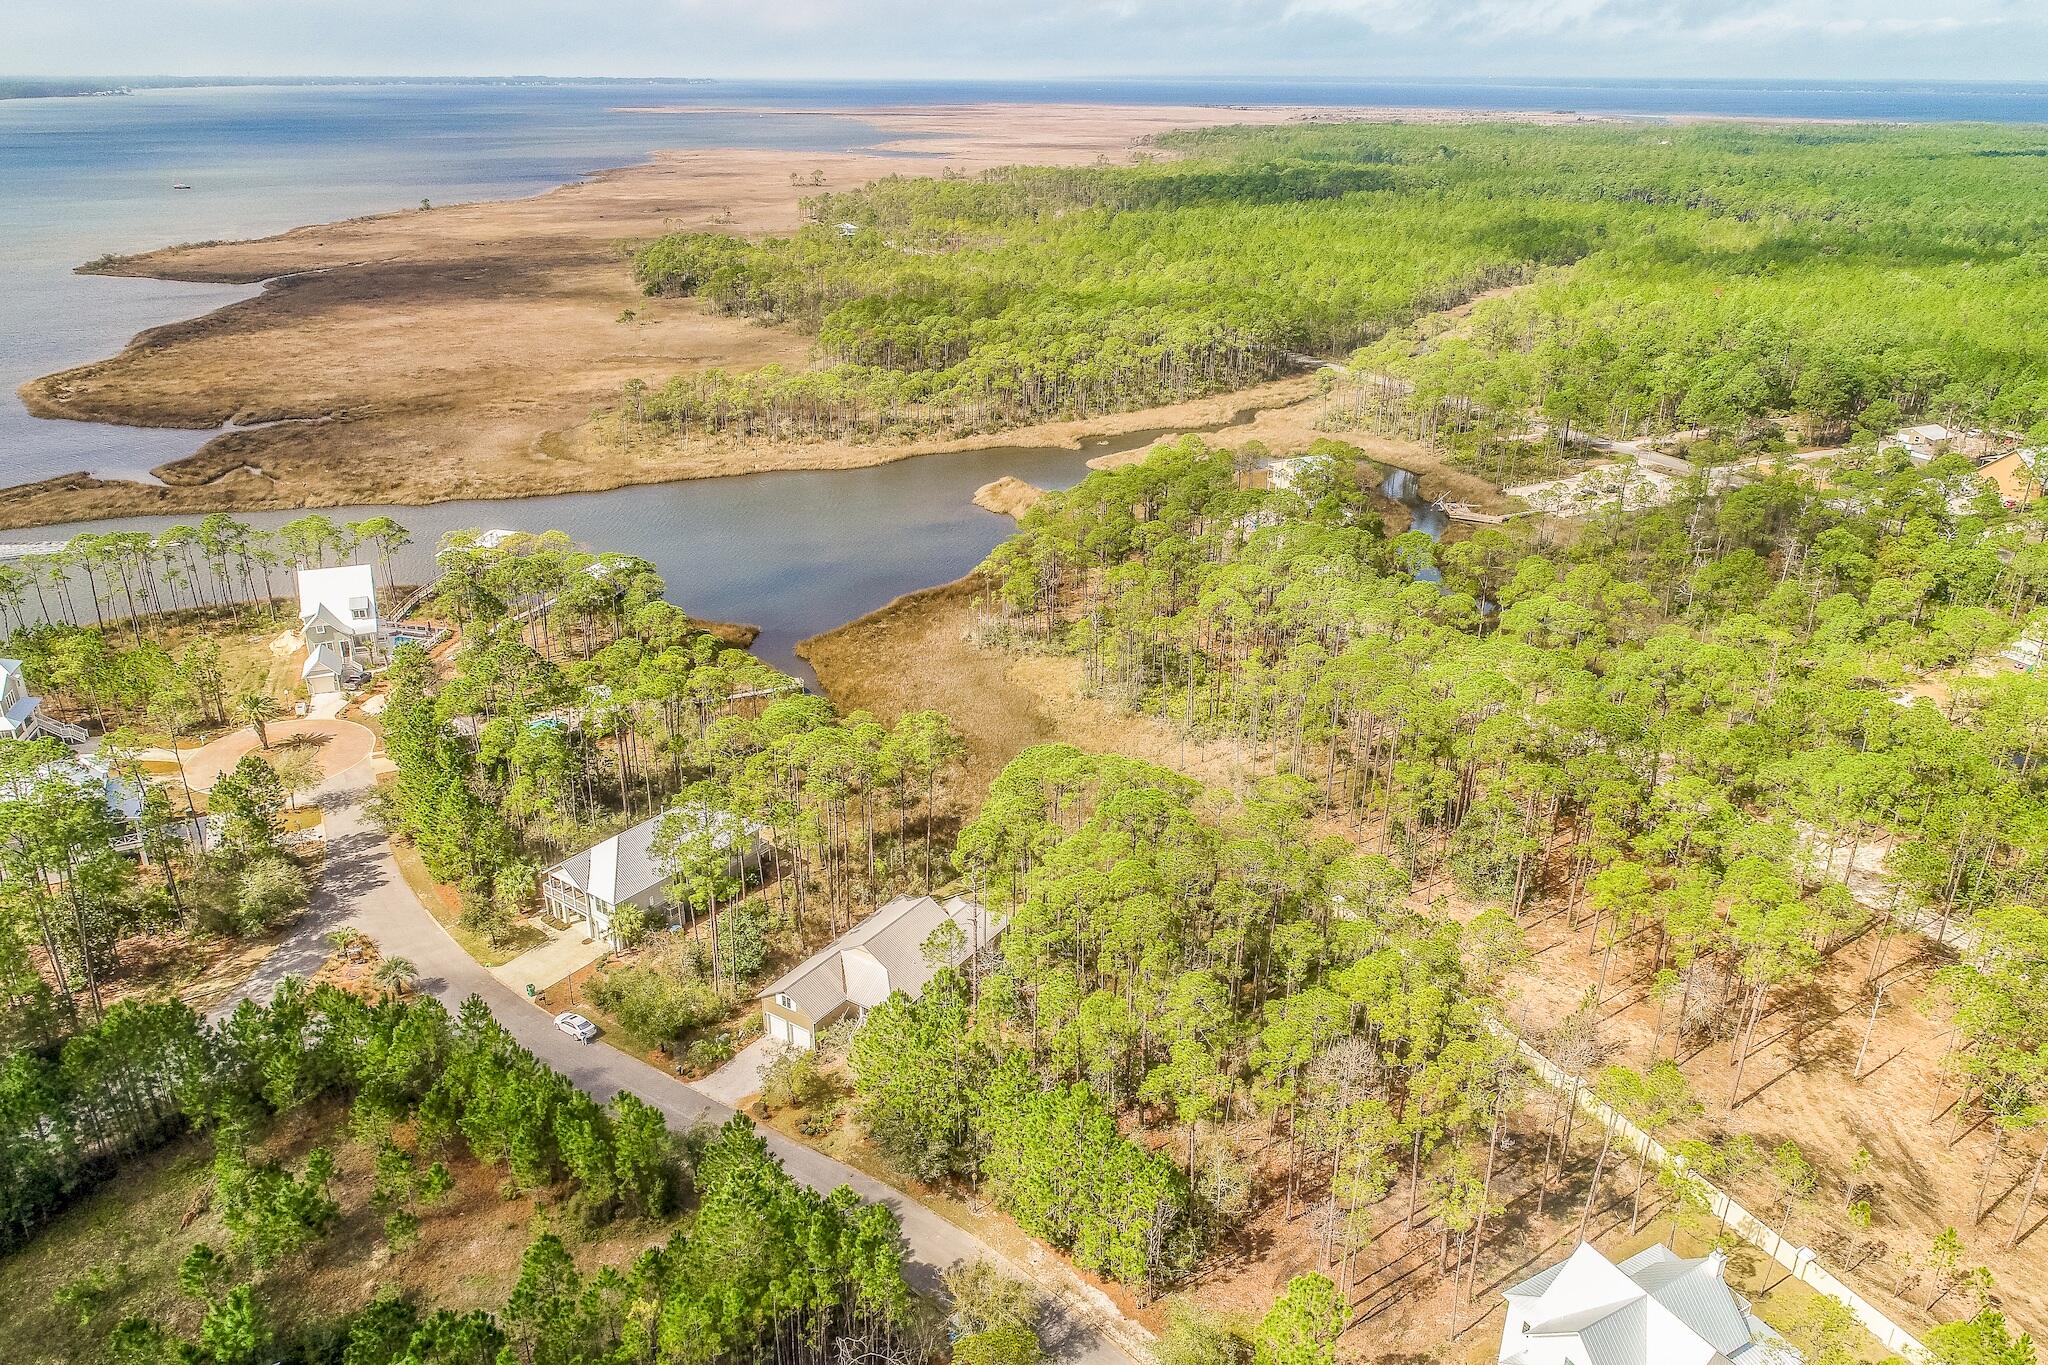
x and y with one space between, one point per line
744 1263
1713 277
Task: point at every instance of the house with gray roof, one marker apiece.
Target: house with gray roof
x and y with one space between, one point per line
338 622
626 869
1655 1308
861 968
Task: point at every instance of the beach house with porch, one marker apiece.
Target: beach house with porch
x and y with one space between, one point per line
21 711
338 621
882 954
626 869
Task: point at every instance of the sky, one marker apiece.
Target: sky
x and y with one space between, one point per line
1358 39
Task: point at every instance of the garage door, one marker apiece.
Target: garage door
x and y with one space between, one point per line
783 1031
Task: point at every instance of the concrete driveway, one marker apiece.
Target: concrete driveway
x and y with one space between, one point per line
739 1078
362 887
542 965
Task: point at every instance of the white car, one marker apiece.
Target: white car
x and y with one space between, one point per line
576 1026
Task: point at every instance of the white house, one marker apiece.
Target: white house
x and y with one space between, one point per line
1921 443
858 970
1655 1308
626 870
2027 652
492 539
92 777
21 713
338 620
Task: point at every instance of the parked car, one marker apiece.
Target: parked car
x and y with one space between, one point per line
576 1026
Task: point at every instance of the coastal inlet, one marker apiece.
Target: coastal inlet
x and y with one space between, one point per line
794 552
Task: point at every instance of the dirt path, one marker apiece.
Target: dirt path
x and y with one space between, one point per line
1286 428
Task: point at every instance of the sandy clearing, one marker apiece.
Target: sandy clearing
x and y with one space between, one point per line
917 653
338 744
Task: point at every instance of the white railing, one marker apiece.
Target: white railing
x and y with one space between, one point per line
57 729
1802 1262
419 595
780 690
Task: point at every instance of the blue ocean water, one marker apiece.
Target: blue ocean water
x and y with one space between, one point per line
83 176
80 177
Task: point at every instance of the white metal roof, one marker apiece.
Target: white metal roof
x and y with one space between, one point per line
893 938
627 865
337 591
322 660
1656 1308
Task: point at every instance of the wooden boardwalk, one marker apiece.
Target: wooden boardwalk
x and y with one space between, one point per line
1466 512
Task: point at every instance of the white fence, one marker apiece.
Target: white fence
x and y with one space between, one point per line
1802 1262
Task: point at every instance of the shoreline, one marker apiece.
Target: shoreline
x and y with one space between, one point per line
464 351
461 351
112 499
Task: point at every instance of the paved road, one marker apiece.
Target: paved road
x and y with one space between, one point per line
363 887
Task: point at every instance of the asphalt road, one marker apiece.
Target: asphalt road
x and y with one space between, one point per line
361 886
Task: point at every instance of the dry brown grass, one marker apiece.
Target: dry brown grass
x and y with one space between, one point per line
1008 496
917 652
460 351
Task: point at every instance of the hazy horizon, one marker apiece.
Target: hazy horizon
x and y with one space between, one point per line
166 79
1307 40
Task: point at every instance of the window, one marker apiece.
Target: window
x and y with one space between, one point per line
785 1002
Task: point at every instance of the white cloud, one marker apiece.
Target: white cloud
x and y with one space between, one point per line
1711 19
941 38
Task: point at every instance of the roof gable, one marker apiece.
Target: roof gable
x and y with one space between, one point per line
322 661
1695 1293
628 865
